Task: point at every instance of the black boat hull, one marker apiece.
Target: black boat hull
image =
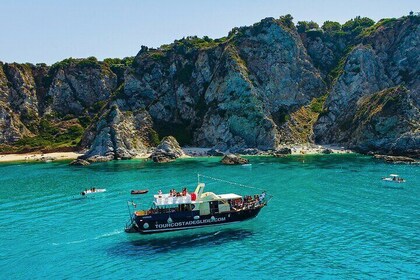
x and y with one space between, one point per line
167 222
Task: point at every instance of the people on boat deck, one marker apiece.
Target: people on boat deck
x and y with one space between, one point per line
174 193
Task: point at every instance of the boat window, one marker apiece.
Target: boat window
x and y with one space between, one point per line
214 207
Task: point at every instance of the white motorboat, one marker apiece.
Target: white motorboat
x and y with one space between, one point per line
92 190
394 178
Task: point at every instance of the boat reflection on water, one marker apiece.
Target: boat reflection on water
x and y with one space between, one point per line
162 243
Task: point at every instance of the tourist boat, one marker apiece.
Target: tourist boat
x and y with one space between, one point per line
139 191
194 210
92 190
394 178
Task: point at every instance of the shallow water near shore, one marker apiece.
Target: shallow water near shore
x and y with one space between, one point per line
330 216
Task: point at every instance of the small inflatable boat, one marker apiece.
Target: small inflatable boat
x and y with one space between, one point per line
139 191
92 190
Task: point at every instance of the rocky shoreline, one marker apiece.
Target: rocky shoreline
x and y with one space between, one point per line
191 152
186 153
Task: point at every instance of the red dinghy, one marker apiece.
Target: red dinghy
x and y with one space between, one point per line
139 191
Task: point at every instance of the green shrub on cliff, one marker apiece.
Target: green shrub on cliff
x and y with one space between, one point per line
287 21
357 25
50 137
317 104
383 22
303 26
331 27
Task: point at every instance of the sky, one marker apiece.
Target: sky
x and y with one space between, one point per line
51 30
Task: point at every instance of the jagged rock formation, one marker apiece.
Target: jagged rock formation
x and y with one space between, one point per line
258 88
231 159
118 135
49 107
232 94
374 103
168 150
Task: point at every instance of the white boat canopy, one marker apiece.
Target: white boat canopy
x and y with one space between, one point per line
229 196
393 175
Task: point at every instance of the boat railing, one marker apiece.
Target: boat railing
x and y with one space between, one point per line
166 199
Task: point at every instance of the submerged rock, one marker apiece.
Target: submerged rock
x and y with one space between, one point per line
98 158
327 151
168 150
232 159
396 159
80 162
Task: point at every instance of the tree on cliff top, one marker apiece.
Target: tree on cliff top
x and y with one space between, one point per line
355 26
303 26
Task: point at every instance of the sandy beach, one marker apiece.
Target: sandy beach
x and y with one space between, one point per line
39 156
318 149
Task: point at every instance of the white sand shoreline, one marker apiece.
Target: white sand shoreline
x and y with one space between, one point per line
37 156
189 152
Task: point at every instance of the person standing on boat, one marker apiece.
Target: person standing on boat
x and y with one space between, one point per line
262 197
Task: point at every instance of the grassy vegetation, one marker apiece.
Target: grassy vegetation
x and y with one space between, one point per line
185 44
51 137
339 68
387 99
317 104
126 61
154 138
383 22
82 62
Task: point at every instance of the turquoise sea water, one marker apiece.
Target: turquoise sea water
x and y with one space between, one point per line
331 217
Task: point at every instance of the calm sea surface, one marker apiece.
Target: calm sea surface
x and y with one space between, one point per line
331 217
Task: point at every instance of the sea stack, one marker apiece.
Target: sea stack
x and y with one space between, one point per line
232 159
168 150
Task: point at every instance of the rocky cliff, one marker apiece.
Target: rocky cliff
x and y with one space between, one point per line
373 104
261 86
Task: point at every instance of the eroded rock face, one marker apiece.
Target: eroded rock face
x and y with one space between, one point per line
11 128
75 88
387 122
168 150
36 99
374 104
232 159
118 134
232 95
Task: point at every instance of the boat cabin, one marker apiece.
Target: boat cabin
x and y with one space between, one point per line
200 202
